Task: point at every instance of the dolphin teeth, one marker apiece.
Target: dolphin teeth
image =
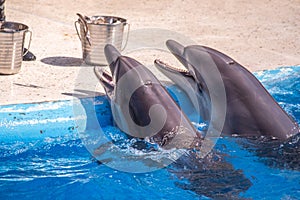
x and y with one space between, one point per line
104 75
169 67
107 74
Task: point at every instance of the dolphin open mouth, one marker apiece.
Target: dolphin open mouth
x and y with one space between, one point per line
104 76
166 66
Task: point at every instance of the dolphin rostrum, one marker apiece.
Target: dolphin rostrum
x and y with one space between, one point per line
249 108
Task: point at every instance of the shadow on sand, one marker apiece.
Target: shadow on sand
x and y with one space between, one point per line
63 61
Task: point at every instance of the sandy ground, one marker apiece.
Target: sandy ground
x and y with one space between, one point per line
258 34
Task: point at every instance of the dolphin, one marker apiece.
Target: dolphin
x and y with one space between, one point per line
141 106
249 108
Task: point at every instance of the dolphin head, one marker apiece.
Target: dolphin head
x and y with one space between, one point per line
182 54
121 68
234 91
124 67
118 64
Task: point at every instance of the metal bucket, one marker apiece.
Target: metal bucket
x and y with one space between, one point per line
96 32
12 37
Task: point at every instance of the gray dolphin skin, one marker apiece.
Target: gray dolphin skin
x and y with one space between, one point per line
141 106
250 109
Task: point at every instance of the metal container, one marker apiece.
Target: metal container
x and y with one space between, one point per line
12 37
96 32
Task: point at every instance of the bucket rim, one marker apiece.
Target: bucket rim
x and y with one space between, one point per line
12 25
89 22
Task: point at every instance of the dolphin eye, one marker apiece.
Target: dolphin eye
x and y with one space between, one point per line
148 83
231 62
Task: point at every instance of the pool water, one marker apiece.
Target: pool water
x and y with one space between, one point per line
44 154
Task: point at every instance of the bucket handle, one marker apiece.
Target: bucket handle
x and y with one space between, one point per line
28 31
85 27
127 36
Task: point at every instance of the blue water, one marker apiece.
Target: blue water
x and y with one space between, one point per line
49 158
